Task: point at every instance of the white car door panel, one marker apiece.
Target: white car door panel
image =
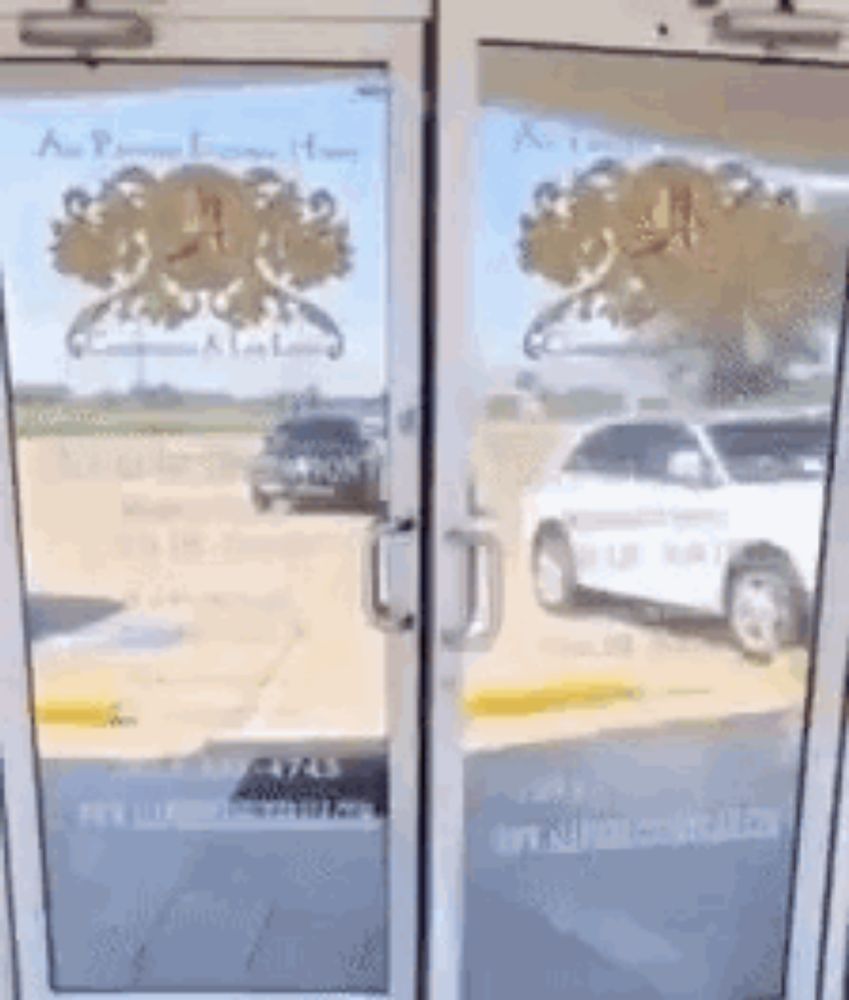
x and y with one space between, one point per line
607 529
693 547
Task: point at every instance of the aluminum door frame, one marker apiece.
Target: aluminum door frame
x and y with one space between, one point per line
296 10
398 47
660 27
8 963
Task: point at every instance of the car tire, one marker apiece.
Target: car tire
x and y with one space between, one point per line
553 571
765 607
261 501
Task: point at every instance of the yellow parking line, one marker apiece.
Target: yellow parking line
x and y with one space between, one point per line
565 694
89 713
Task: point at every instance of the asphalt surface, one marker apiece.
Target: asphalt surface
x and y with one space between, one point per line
685 897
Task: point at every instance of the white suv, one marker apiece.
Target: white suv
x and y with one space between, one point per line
720 515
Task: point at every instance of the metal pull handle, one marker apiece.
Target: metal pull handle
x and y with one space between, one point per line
483 610
379 607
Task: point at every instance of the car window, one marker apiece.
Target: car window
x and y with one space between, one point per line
609 451
319 432
631 450
657 447
757 451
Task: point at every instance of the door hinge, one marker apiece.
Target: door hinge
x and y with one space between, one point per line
782 27
85 30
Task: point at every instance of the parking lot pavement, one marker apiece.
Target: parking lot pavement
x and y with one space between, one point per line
603 860
203 617
668 852
606 668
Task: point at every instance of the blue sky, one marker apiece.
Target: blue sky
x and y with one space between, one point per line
515 153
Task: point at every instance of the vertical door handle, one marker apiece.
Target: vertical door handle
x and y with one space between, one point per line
380 609
482 590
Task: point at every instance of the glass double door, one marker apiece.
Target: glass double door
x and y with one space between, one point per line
226 673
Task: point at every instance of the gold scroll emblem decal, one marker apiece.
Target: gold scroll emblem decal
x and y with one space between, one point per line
200 240
716 255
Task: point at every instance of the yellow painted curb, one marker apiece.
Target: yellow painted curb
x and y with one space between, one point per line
574 693
92 714
75 697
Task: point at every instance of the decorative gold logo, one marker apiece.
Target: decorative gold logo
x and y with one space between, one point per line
717 255
199 239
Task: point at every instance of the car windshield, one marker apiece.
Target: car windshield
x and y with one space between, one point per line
758 451
321 431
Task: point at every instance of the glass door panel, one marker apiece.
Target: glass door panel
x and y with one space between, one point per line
200 368
659 271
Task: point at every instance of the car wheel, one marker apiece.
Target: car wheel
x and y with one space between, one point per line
260 500
764 608
553 569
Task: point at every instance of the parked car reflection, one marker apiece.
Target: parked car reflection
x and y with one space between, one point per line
318 459
719 515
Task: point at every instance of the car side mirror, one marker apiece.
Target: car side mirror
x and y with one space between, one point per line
688 467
